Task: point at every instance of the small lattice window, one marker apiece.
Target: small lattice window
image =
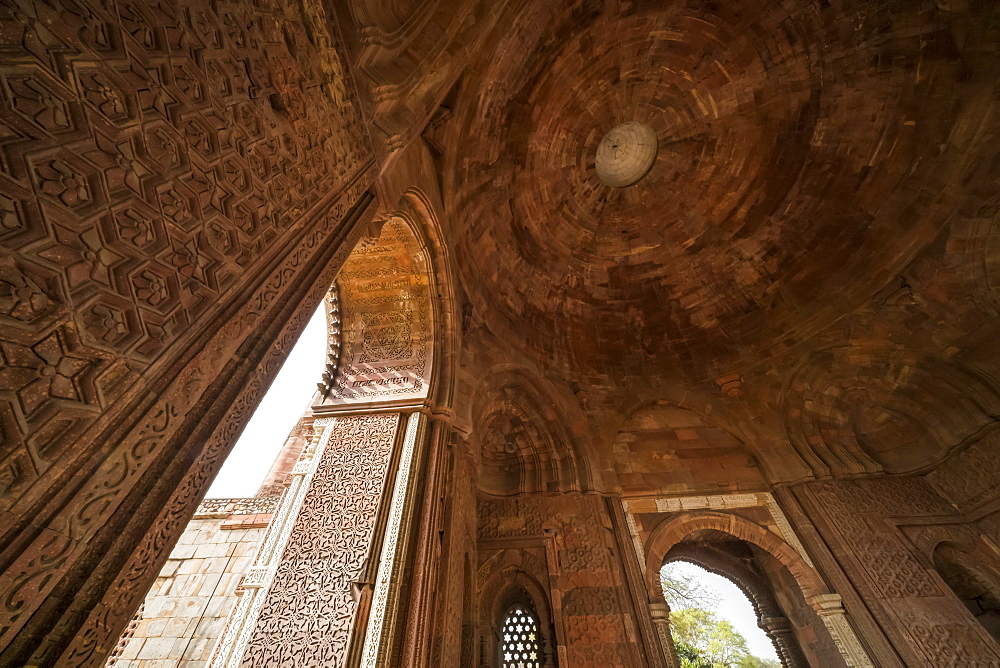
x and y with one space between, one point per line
520 647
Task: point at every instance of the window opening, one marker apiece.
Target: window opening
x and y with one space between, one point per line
519 647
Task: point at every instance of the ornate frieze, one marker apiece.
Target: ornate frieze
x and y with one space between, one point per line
244 506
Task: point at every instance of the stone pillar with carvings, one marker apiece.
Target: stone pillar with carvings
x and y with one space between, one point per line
383 617
299 602
779 632
660 612
830 609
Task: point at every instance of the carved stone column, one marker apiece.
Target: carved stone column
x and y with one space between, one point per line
830 609
779 631
435 567
660 612
380 638
626 535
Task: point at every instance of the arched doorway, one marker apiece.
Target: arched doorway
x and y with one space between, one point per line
733 544
734 561
513 603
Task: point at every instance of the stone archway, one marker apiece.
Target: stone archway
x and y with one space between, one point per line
826 603
523 440
166 238
377 433
736 568
672 532
510 586
969 576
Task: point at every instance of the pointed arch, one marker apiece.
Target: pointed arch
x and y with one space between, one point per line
417 209
726 561
972 577
392 317
523 439
673 531
509 582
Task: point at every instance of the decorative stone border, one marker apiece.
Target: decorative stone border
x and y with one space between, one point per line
229 651
254 505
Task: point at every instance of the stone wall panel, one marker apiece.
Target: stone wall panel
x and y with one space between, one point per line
309 610
144 242
925 622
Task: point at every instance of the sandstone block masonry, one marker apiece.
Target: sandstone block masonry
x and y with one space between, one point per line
187 608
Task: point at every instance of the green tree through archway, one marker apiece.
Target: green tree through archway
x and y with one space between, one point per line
701 638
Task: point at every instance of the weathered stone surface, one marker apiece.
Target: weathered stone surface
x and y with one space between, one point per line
186 610
177 177
777 347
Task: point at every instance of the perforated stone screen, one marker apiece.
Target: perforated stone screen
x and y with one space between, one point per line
520 647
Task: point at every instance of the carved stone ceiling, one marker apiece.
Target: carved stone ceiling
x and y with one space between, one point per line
805 155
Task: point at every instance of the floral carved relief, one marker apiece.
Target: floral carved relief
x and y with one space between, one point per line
309 609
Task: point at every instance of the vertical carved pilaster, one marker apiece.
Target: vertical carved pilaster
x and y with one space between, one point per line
232 644
779 632
383 616
785 527
633 568
831 610
434 565
660 612
304 609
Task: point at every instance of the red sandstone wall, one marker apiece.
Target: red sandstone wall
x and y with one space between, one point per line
810 632
287 456
566 543
879 531
174 177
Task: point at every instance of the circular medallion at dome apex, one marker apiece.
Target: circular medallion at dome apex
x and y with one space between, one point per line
626 154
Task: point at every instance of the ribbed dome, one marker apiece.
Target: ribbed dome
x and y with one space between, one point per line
792 154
